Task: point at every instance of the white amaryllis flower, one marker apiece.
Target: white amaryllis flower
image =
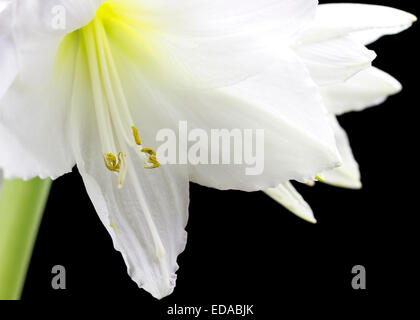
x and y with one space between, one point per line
89 91
361 24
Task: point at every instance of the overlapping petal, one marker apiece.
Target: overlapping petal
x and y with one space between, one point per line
368 88
335 60
365 23
351 87
345 176
290 198
34 109
348 174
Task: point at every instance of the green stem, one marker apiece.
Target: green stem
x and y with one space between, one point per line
21 207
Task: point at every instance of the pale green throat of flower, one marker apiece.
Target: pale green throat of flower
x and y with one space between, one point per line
94 59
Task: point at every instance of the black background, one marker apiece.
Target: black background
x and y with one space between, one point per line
245 248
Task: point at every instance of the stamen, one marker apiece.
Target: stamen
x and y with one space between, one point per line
123 171
319 178
111 162
114 120
108 77
136 135
152 158
150 152
117 165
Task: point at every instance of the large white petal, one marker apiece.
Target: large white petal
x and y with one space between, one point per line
209 43
368 88
33 123
348 174
283 101
336 60
132 220
290 198
33 111
223 41
146 218
365 22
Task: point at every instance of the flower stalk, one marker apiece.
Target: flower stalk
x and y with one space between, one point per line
21 207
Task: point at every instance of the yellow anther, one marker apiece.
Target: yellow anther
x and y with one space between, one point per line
152 158
116 164
111 162
152 153
136 136
318 177
113 226
149 151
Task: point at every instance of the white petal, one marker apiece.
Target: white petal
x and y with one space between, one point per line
34 122
209 43
283 101
8 59
37 34
287 196
348 174
33 136
152 265
366 23
223 41
33 110
368 88
334 61
221 17
146 218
